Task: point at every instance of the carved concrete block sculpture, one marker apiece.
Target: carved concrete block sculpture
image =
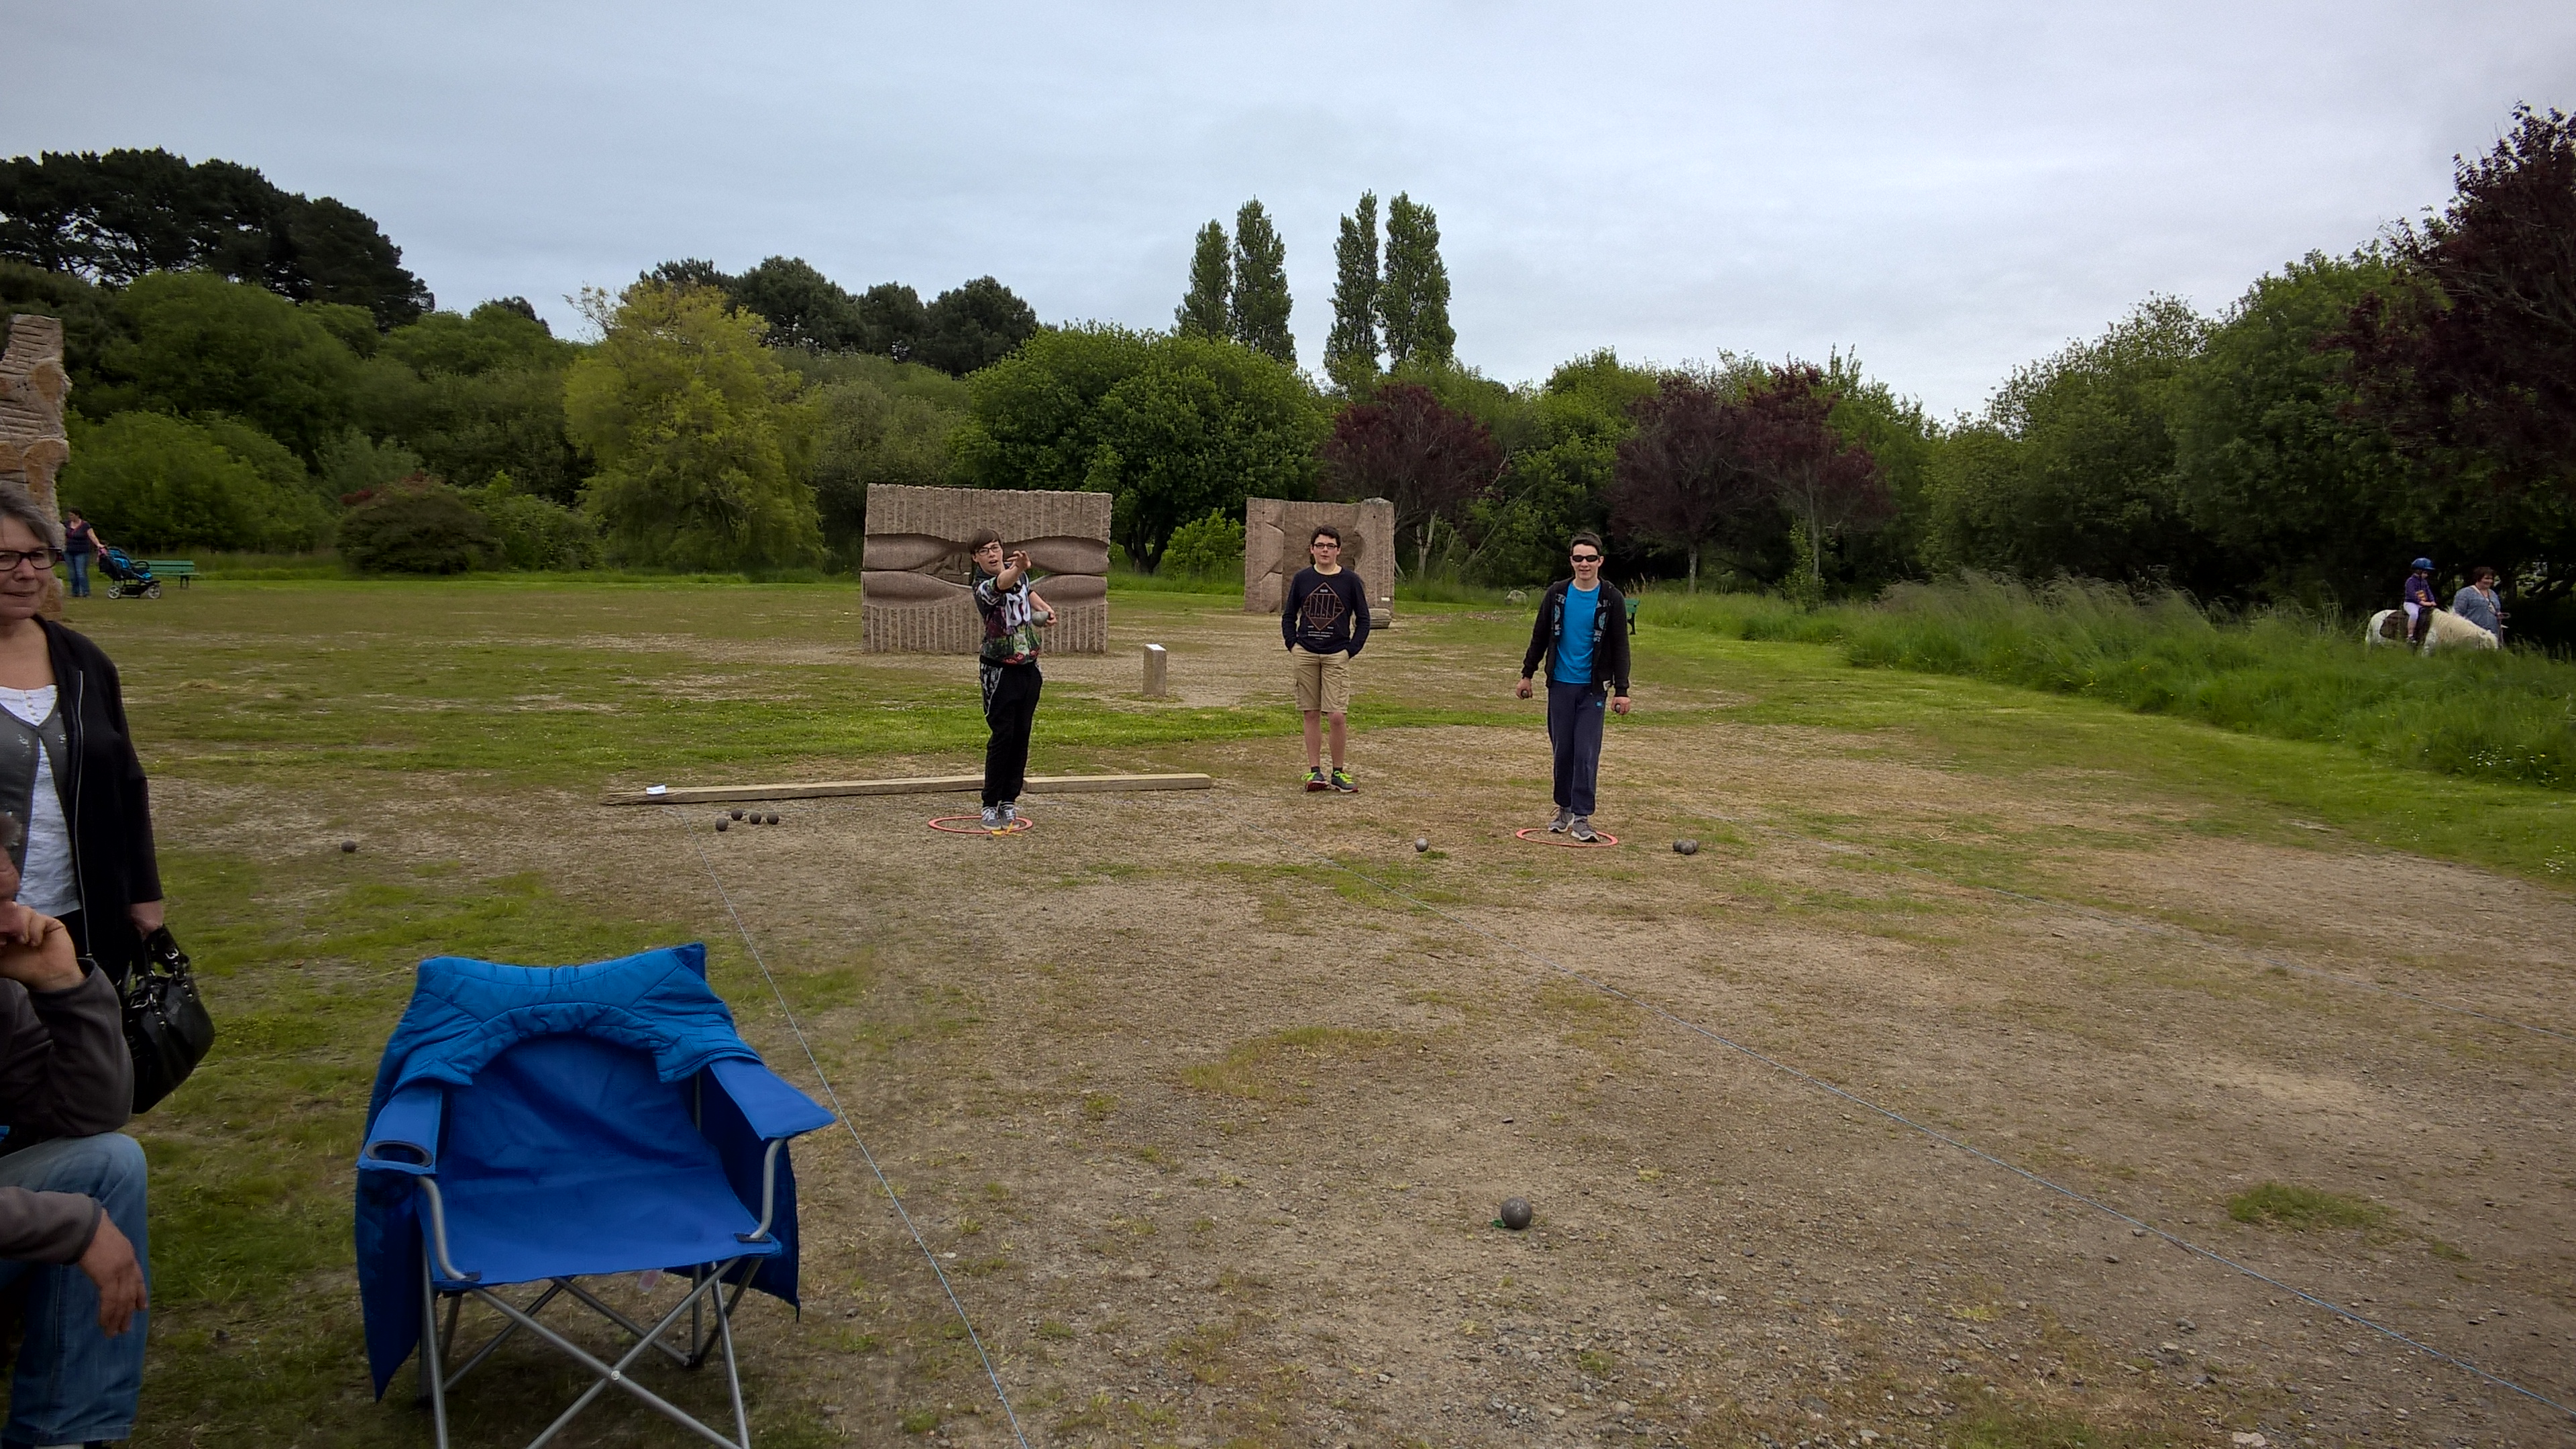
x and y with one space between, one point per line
917 566
1276 532
32 388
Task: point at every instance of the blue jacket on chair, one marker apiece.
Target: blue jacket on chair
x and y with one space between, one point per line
652 1008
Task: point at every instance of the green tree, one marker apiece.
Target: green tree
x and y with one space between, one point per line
892 321
1202 312
477 396
1257 309
1562 463
199 343
421 528
702 440
804 308
1206 548
2304 495
1413 296
1173 427
1350 350
121 215
974 326
151 481
2069 471
872 431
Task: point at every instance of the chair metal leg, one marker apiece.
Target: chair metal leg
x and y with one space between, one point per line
733 1373
616 1374
496 1340
432 1374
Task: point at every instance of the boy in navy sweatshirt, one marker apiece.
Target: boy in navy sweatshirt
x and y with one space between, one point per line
1324 624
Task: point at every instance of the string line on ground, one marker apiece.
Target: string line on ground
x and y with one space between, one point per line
2153 928
847 1125
1892 1115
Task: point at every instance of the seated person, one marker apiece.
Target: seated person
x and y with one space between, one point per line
72 1244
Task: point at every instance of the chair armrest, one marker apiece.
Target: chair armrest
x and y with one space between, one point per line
405 1138
774 1109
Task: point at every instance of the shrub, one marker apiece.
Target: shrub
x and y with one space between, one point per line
535 533
1210 547
419 528
152 482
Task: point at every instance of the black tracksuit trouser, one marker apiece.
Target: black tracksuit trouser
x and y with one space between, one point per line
1011 708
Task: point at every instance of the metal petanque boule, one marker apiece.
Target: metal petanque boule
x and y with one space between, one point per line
1515 1213
723 826
1685 847
348 847
1421 843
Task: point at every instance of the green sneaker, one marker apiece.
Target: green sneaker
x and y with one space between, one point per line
1343 782
1315 779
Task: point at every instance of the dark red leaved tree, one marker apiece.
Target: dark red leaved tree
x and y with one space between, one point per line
1685 476
1408 447
2472 366
1824 482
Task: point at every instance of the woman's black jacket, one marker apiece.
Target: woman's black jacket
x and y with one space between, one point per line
106 804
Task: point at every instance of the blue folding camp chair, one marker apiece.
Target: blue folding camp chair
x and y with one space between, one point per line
536 1125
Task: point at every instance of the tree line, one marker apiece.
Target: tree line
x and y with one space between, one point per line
2346 414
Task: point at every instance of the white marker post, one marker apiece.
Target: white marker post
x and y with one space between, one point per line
1157 670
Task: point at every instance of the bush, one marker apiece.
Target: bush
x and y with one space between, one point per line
1211 547
533 532
152 482
417 529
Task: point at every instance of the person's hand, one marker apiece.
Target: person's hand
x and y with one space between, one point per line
1525 687
110 1264
1018 560
45 963
146 916
1619 704
20 926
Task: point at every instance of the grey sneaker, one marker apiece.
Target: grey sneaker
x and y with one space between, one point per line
1010 812
992 817
1582 829
1564 818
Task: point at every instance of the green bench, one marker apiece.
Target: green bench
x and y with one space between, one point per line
182 569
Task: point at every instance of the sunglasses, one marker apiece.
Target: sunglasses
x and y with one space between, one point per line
1587 558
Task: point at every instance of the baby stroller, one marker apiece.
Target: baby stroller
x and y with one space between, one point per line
127 575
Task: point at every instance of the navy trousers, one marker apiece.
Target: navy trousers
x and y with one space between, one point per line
1574 714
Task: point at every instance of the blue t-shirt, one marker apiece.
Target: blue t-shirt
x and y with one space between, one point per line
1574 644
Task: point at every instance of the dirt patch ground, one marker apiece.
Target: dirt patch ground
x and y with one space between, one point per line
1207 1129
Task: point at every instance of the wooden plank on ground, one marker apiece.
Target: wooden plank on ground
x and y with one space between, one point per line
918 785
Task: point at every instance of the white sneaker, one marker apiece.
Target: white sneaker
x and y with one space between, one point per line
992 817
1564 818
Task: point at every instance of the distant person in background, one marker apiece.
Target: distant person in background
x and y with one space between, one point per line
2478 602
2420 603
1324 623
1007 666
67 767
80 543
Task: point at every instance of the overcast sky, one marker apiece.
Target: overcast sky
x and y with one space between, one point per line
1950 190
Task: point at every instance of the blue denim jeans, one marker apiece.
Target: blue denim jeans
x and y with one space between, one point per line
1574 715
80 574
74 1383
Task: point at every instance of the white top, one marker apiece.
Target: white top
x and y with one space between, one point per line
47 884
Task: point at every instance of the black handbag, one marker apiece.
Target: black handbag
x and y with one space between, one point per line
166 1025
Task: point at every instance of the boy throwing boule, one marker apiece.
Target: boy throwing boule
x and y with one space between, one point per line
1324 623
1008 666
1582 634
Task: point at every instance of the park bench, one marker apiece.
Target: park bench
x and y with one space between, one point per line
182 569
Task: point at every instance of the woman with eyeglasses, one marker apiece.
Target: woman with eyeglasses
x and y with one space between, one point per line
67 767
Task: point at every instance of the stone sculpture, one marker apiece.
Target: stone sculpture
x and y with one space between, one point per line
33 446
33 385
917 566
1277 530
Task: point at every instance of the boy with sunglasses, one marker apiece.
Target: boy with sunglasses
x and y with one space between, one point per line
1582 633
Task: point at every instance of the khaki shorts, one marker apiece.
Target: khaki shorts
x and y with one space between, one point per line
1323 681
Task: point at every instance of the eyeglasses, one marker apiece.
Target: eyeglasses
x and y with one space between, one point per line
1323 543
43 558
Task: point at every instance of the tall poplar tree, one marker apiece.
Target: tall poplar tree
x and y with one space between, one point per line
1413 299
1259 306
1350 352
1202 312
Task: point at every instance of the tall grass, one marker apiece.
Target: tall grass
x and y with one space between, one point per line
2497 716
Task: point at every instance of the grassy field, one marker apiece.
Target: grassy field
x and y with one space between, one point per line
278 718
